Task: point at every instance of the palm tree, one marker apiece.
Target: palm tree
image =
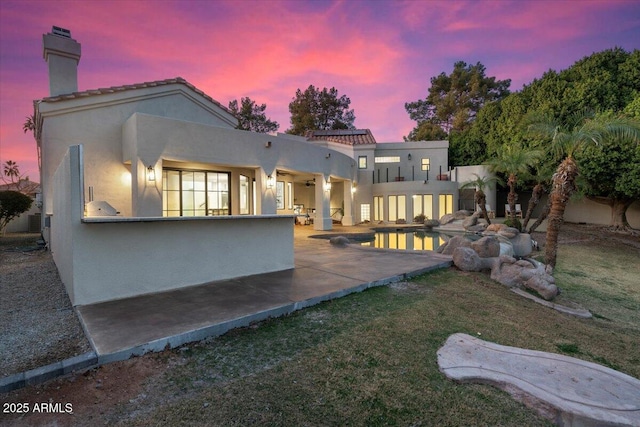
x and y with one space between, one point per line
515 162
12 171
480 183
33 124
543 174
567 139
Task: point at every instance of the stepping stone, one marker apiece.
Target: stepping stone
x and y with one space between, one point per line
568 391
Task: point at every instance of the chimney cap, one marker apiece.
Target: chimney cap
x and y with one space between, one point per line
59 31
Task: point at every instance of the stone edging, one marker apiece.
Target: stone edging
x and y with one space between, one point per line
585 314
45 373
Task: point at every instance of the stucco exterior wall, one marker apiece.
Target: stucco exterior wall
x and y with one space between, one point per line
96 123
107 258
153 140
590 212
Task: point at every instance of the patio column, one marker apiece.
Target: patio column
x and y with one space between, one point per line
266 197
347 216
322 220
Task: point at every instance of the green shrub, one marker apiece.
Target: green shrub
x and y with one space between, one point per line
515 223
12 204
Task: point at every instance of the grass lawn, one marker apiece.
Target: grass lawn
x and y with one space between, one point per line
370 358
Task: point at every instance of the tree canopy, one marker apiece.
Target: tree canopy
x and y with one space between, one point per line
454 100
251 116
12 204
315 109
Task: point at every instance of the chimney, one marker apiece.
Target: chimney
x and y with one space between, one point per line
62 54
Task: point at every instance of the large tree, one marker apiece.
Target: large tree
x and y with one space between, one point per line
251 116
610 174
455 99
315 109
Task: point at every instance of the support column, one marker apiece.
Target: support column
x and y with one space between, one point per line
266 197
146 194
347 217
322 220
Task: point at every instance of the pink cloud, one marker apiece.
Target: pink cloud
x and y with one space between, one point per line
380 54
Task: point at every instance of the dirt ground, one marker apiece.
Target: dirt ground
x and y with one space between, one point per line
97 396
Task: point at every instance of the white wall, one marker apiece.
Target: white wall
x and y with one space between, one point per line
106 258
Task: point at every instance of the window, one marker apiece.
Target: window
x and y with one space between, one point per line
423 204
397 207
365 212
426 164
244 195
289 195
378 211
388 159
362 162
445 202
194 193
280 195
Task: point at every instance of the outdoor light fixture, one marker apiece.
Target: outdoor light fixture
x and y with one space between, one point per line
328 155
270 181
327 184
151 173
409 156
268 144
353 188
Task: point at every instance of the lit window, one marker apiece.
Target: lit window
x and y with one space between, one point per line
362 162
388 159
426 163
365 212
195 193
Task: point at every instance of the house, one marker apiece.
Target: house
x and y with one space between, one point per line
149 187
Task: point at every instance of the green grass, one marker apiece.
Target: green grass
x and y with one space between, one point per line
370 359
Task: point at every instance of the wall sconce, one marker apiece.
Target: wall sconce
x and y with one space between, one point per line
268 144
409 156
328 155
327 184
151 173
353 188
270 181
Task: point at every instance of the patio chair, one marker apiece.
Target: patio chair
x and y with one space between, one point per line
507 211
490 212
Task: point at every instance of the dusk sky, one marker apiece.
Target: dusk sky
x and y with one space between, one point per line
380 54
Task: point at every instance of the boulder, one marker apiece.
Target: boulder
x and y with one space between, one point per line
478 228
508 232
466 259
469 222
495 227
527 273
461 214
486 247
339 241
446 219
452 244
522 245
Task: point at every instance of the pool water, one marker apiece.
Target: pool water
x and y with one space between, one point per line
406 240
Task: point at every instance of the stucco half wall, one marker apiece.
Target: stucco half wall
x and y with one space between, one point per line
108 258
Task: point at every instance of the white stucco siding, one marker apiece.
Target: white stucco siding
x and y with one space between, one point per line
153 140
121 259
96 123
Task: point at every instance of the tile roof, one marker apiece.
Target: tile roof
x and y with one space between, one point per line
23 186
342 136
115 89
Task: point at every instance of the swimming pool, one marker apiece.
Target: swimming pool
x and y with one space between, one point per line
407 240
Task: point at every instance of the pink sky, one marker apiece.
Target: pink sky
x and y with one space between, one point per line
380 54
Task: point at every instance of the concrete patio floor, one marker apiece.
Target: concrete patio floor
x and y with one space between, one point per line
134 326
